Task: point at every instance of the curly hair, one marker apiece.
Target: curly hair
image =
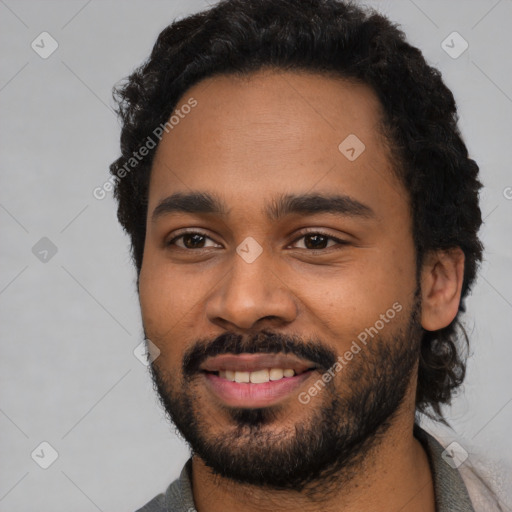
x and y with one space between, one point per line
332 37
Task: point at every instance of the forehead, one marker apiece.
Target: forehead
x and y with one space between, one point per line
275 132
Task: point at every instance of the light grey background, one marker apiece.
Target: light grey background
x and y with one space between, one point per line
69 325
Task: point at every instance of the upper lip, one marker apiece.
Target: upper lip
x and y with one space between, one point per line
254 362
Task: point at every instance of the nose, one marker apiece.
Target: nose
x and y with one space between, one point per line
252 294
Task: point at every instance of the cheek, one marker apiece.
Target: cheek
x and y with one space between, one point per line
170 302
161 302
160 318
354 298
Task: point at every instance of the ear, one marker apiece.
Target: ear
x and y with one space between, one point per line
441 284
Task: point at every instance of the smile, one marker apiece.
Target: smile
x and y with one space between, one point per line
254 380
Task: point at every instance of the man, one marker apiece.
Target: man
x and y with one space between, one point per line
304 217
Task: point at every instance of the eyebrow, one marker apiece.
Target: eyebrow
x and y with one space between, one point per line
281 206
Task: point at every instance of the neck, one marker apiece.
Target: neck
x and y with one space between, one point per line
394 475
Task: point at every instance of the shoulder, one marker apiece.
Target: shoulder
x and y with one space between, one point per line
487 481
157 504
177 497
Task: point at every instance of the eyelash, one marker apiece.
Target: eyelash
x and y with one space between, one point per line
302 235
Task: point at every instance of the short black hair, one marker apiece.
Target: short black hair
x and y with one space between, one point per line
330 37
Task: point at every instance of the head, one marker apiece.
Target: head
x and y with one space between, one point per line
304 190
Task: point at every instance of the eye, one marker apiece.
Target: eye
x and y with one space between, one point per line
191 240
316 240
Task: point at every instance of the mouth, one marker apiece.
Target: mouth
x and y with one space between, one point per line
257 376
254 380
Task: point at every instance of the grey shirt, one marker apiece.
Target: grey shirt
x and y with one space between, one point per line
450 491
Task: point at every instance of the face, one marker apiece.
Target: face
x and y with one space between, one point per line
279 277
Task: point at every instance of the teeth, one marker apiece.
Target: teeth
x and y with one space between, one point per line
257 377
276 374
242 376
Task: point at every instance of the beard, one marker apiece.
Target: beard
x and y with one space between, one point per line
337 429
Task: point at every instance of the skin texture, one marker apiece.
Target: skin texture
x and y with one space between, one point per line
247 141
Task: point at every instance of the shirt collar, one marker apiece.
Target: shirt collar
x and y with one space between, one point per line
450 490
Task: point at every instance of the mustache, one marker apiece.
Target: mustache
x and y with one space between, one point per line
262 342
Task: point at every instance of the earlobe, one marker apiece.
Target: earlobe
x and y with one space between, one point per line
441 284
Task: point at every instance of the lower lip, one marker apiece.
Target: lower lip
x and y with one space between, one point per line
241 394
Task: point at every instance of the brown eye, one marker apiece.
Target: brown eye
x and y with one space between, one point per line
318 240
315 241
190 240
